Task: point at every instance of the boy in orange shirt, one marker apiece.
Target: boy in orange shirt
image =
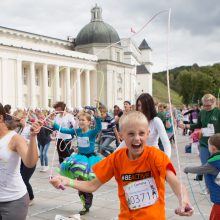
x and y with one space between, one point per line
140 172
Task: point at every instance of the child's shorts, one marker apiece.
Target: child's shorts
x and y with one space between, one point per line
215 213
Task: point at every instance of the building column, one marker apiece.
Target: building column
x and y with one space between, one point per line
32 94
78 88
19 84
56 84
67 84
45 87
3 74
87 87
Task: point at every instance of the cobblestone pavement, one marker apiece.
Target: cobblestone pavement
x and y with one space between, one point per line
49 201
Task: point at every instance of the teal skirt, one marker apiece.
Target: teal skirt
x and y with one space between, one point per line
79 166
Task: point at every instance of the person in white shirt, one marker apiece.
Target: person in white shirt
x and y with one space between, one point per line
145 104
14 198
65 120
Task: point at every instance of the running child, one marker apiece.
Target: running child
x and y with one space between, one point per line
78 166
212 171
140 172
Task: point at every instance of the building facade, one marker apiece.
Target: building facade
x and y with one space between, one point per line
36 70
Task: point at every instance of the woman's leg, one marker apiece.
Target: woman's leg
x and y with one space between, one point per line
45 152
41 155
26 174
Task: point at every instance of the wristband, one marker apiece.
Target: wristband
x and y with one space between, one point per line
71 183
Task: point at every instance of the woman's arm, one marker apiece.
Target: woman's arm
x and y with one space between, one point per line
64 130
98 126
28 154
116 134
163 136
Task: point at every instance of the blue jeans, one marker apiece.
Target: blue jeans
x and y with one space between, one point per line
104 145
43 154
204 155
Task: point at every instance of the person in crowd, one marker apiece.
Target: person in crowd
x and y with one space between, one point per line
86 154
161 114
212 170
193 114
209 122
140 172
44 139
117 114
65 120
169 125
145 104
7 109
185 119
14 199
108 134
127 106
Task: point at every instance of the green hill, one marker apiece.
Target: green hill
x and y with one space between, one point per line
160 92
192 82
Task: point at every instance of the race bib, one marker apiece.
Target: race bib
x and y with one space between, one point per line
209 131
104 125
83 142
195 121
141 193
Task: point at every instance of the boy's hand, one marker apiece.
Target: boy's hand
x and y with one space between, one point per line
185 210
58 181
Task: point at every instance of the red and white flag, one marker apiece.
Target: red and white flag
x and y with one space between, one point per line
132 30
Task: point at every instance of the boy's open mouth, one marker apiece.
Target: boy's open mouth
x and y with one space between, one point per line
136 146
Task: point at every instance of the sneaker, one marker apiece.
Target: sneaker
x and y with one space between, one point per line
198 178
42 169
84 211
31 202
46 168
204 191
61 217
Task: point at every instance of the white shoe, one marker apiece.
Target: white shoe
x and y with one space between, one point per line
204 191
46 168
60 217
31 202
42 169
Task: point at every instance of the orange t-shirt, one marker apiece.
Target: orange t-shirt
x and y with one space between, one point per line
152 163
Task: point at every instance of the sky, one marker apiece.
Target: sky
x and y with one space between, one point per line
194 35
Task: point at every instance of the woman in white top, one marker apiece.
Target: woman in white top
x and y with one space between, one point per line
14 199
145 104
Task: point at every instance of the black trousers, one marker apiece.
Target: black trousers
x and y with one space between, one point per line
64 149
26 174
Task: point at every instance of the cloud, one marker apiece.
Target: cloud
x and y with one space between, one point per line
194 24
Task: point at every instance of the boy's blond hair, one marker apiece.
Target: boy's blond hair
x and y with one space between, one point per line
214 140
132 117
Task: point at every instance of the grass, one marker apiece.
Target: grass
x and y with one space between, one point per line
160 92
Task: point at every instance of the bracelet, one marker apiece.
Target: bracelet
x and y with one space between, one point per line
71 183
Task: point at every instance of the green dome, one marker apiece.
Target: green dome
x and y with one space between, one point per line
97 31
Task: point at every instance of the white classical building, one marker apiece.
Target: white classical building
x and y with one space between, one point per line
37 70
